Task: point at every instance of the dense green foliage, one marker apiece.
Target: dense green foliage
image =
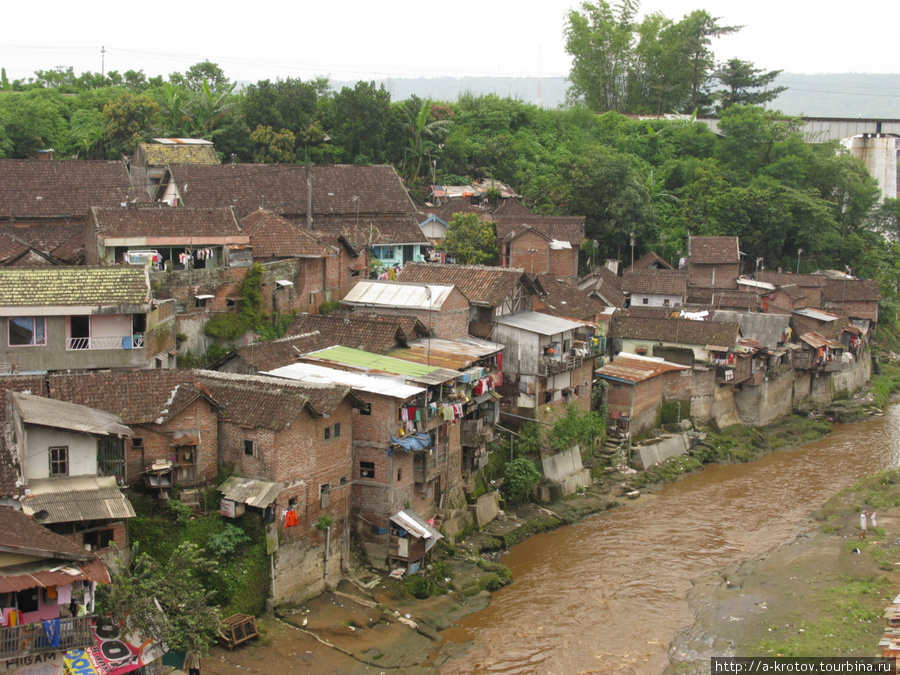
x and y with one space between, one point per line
471 240
794 205
519 478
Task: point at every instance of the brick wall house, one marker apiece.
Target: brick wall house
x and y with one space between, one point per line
714 262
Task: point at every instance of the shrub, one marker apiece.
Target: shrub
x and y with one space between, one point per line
519 479
227 541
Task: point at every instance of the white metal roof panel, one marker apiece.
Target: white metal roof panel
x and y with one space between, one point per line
252 492
763 285
398 294
412 522
64 415
817 314
536 322
394 387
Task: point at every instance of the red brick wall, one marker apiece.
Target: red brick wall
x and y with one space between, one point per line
450 323
157 442
715 276
564 262
859 309
520 253
120 535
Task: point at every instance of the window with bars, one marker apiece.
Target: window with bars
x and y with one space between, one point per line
59 460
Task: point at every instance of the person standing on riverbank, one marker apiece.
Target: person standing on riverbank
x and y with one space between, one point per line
862 524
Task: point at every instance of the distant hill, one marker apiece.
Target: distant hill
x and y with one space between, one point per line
829 95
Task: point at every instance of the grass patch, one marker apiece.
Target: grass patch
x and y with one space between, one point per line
849 616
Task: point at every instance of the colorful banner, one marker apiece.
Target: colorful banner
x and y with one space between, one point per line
111 654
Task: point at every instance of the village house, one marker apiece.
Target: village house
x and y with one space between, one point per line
43 204
492 292
605 285
784 299
392 241
173 419
42 577
854 298
716 298
636 390
40 245
399 463
541 244
290 445
70 459
442 308
811 284
547 362
683 341
567 302
655 288
714 262
648 261
149 161
165 238
82 318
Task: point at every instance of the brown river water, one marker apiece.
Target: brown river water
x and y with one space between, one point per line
608 595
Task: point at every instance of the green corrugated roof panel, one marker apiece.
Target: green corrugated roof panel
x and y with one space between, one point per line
361 359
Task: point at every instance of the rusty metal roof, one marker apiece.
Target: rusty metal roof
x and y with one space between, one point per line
632 368
52 573
817 340
77 498
252 492
451 354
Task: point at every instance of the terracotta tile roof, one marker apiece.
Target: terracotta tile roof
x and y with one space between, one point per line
381 230
485 286
21 531
411 326
11 249
74 286
137 396
10 471
563 228
270 402
275 237
653 312
783 278
604 284
656 282
713 250
44 236
445 211
160 154
648 260
793 291
567 302
277 353
851 290
338 189
511 207
678 331
157 222
347 330
716 297
40 189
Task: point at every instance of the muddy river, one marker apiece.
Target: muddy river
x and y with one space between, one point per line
608 595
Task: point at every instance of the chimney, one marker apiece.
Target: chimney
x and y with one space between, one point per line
44 155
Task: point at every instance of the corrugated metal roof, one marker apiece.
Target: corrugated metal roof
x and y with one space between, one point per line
77 498
252 492
816 340
536 322
633 368
64 415
409 370
398 294
762 285
453 354
394 387
767 328
412 522
53 574
817 314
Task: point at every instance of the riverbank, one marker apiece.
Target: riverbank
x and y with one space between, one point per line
821 595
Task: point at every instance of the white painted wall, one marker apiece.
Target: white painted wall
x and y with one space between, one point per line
38 441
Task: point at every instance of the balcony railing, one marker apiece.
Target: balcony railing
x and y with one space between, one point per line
427 467
124 342
32 638
550 365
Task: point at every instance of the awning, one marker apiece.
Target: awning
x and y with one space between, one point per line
183 437
76 499
486 396
256 493
412 522
55 575
204 297
281 283
716 348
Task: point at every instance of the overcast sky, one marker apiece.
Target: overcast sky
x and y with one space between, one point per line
351 40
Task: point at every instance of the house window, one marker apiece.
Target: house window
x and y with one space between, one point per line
366 409
324 495
250 448
645 301
137 443
367 469
99 539
201 300
333 431
343 480
665 302
327 433
337 430
59 460
399 474
25 331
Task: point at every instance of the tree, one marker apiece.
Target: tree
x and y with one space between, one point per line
423 137
130 119
33 120
359 121
599 38
519 478
291 105
472 241
739 79
273 147
697 30
164 602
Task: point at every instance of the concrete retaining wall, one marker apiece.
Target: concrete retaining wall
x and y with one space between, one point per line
485 509
853 375
645 456
758 405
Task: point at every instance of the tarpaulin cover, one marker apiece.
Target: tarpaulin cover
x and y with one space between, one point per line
413 443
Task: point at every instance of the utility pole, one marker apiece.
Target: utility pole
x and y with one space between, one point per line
102 65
